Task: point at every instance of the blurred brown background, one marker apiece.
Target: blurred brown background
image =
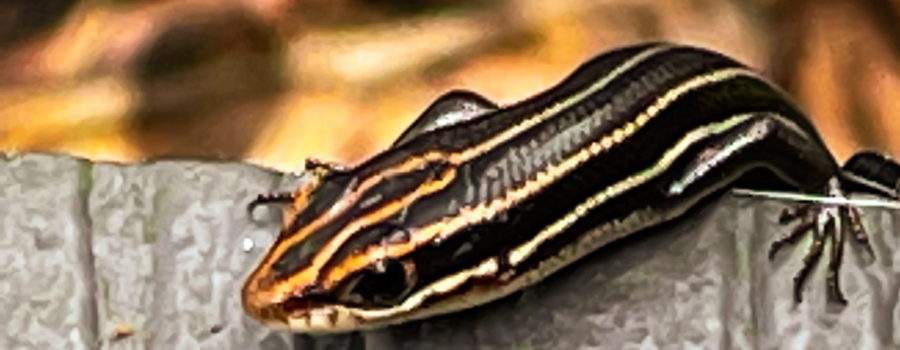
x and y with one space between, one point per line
275 81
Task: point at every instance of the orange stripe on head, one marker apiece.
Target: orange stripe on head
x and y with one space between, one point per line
310 274
439 230
302 194
346 201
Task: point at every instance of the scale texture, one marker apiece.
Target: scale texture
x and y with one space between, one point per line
152 256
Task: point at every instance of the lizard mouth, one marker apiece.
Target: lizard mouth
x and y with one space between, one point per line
318 315
304 305
308 312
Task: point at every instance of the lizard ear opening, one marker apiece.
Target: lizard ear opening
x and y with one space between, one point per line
385 283
452 108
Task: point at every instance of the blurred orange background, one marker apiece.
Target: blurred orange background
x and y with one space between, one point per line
272 82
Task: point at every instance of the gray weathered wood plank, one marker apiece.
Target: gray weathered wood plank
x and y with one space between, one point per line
152 256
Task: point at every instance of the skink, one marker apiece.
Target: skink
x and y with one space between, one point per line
475 201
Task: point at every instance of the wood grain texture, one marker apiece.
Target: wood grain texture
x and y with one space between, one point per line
151 257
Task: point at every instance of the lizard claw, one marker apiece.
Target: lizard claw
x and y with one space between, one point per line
825 222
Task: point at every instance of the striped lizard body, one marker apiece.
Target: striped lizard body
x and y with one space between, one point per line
476 201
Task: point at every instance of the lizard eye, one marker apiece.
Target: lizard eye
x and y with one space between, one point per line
385 283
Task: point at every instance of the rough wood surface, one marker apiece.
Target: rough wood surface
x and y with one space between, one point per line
152 256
